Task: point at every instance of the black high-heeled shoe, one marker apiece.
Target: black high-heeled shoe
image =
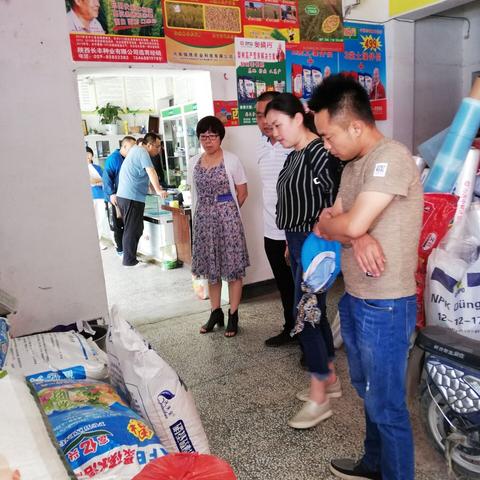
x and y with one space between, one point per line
232 325
216 318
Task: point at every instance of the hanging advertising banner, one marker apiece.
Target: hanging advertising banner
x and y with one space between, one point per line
202 32
321 24
272 19
227 112
111 31
364 59
307 67
260 67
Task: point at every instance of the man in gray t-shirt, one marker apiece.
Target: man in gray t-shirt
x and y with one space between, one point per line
136 173
377 216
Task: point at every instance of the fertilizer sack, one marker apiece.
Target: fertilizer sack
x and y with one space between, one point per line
154 389
100 436
56 355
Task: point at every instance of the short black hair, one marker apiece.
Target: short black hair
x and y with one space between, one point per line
89 150
290 105
268 95
150 138
339 94
211 124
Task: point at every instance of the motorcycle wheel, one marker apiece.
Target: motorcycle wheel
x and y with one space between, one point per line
465 461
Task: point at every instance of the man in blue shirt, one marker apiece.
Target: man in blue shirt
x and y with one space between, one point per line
135 175
110 185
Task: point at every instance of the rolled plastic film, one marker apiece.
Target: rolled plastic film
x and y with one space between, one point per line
450 158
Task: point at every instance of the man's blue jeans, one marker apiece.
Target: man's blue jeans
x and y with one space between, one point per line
376 335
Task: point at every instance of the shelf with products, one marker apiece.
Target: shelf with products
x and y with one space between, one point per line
180 141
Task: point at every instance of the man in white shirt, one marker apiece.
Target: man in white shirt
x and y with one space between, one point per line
82 16
271 157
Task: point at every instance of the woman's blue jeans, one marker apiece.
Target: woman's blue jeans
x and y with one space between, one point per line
317 341
377 337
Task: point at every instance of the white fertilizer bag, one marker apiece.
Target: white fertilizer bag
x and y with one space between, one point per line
50 356
154 389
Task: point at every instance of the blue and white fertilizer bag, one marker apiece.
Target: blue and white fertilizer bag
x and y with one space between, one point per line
98 434
153 389
321 266
4 341
56 355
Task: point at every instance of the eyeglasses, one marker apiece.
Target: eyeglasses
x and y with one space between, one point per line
211 137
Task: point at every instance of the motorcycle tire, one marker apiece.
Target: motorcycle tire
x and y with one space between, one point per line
465 465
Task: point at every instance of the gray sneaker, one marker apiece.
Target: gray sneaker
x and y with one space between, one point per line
311 414
334 390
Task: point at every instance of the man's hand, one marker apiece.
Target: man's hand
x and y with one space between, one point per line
369 255
113 200
162 193
326 213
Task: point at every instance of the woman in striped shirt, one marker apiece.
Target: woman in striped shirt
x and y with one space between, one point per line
307 183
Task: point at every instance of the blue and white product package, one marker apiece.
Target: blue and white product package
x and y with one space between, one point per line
321 266
154 389
100 436
56 355
4 341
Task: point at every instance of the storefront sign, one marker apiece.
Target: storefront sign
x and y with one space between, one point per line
272 19
227 112
364 59
202 33
127 31
397 7
260 67
321 23
307 67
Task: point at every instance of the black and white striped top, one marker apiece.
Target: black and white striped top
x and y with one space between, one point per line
307 184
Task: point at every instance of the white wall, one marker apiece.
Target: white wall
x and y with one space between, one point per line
444 62
49 255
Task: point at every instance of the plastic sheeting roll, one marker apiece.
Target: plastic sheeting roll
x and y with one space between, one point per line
450 159
466 182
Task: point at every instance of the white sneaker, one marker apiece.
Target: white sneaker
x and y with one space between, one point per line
334 390
311 414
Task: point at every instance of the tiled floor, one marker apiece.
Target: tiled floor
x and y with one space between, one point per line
244 391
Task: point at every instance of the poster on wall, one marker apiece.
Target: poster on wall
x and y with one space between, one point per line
321 23
113 31
364 59
307 67
202 32
260 66
272 19
227 112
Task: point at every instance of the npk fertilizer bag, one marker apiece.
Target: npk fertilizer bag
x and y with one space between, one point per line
154 389
100 436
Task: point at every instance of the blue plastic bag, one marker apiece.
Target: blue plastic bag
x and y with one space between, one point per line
321 266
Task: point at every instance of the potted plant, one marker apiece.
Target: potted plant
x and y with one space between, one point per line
108 117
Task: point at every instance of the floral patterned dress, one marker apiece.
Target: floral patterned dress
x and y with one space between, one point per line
219 246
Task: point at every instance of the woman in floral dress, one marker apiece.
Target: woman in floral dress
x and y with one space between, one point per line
219 189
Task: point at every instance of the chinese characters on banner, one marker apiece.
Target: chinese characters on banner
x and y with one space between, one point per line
202 32
260 66
307 67
364 59
272 19
227 112
113 31
321 24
